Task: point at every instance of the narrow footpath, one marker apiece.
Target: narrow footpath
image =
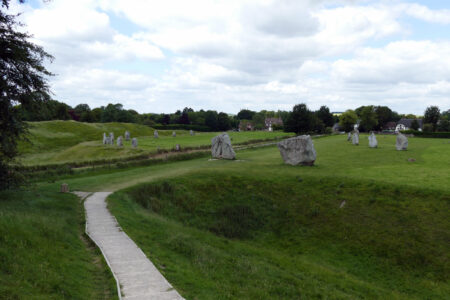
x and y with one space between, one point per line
135 274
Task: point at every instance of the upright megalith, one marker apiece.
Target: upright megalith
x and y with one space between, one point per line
191 132
349 136
127 135
177 147
355 138
64 188
221 147
402 142
174 134
119 141
111 138
298 150
134 142
105 139
373 143
155 134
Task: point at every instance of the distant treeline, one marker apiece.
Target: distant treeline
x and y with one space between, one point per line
300 120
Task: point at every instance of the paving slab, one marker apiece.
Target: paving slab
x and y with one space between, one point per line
136 276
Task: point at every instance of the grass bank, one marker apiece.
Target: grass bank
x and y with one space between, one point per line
44 253
225 235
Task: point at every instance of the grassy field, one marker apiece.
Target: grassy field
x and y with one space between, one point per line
44 253
257 228
68 141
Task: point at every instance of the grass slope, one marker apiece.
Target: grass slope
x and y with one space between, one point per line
44 253
224 235
68 141
50 136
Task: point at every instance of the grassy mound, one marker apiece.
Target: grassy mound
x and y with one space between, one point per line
58 142
50 136
223 235
44 253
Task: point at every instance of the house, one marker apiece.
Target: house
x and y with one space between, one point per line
269 122
389 126
245 125
405 124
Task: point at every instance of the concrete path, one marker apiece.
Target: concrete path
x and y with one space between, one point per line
135 274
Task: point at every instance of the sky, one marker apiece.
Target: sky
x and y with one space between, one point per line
161 56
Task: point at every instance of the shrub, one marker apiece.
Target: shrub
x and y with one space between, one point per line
428 127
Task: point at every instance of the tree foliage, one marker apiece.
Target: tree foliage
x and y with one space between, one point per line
432 115
347 120
22 82
368 119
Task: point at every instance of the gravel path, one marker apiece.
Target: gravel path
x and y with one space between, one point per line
135 274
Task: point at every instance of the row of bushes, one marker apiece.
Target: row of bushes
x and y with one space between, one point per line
182 127
442 135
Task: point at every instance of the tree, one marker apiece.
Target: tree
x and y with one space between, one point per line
223 122
211 119
245 114
258 121
384 115
325 116
444 125
415 125
299 120
23 81
432 115
368 118
347 120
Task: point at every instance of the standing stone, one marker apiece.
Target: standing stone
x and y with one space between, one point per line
105 139
64 188
134 142
111 138
177 147
298 150
349 136
191 132
221 147
355 138
155 134
174 134
402 142
373 143
119 141
127 135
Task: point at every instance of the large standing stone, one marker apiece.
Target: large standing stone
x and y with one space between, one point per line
155 134
119 141
105 139
134 142
111 138
191 132
298 150
177 147
221 147
174 134
127 135
402 142
349 136
355 138
373 143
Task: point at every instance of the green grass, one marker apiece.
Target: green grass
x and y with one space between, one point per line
257 228
222 235
336 158
44 253
68 141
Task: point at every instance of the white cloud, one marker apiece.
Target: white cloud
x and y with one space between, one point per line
259 54
424 13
